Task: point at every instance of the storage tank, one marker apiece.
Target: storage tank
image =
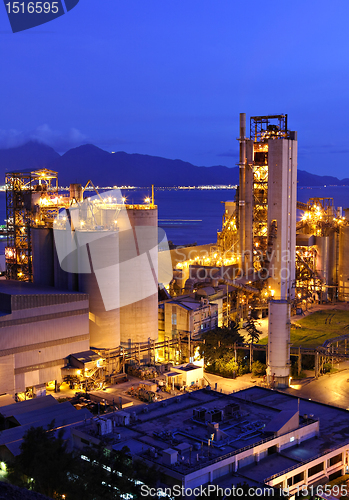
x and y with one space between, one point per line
278 367
343 264
99 277
65 259
42 250
138 246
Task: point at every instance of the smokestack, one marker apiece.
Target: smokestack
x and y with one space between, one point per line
242 181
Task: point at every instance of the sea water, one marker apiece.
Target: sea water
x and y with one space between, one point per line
191 216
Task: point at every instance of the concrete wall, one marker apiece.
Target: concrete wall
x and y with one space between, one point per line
35 341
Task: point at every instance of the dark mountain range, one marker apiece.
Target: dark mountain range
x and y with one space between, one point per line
31 155
108 169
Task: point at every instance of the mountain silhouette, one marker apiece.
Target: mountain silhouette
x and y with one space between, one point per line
123 169
31 155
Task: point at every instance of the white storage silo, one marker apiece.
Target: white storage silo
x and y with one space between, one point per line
138 247
99 277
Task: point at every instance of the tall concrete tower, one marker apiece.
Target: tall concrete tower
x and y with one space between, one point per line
267 225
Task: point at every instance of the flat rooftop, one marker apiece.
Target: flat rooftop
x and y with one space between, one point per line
13 287
16 295
239 420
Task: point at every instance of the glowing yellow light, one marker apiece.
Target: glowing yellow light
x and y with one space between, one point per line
123 199
147 199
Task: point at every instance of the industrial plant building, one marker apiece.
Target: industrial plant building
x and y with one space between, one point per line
260 436
264 262
100 246
39 327
187 314
277 254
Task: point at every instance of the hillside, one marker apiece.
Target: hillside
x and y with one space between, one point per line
108 169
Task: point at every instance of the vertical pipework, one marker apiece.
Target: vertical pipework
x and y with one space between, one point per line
242 180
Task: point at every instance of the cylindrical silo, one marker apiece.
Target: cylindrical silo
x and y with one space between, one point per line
278 367
42 250
138 275
343 264
99 277
65 259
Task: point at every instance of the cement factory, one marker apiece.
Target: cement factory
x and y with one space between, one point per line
82 299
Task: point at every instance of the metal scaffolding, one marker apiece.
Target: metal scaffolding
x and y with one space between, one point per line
31 200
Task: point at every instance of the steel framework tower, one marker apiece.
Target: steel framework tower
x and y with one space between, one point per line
31 200
267 225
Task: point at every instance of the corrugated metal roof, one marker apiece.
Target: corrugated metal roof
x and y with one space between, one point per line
28 405
54 411
10 437
86 356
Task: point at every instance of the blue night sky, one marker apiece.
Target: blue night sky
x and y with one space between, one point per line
169 78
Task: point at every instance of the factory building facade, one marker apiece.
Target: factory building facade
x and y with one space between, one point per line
39 328
187 314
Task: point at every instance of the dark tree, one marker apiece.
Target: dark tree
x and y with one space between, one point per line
44 463
253 332
219 349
